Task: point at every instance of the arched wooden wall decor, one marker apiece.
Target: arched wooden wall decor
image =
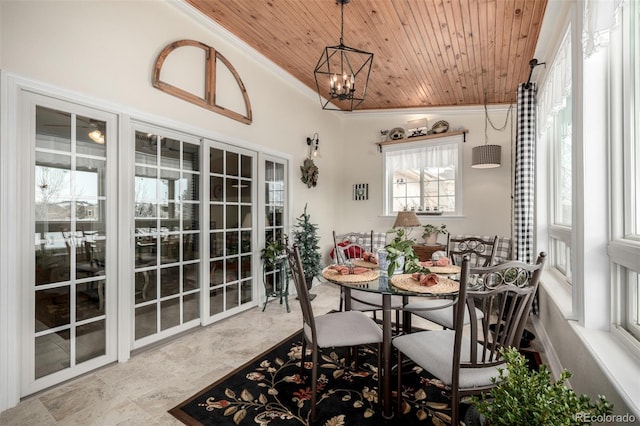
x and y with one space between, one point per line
209 101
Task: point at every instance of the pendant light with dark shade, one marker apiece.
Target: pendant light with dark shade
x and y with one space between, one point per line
489 156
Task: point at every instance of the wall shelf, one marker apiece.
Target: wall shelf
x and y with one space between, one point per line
426 137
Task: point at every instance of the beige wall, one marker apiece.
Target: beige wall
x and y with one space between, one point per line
486 192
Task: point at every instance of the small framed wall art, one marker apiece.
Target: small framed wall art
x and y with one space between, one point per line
361 191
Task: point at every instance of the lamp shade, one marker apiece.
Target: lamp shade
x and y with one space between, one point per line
486 156
407 219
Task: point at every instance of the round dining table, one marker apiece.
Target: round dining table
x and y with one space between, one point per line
376 281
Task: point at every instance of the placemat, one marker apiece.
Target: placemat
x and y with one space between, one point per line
336 276
364 264
406 282
451 269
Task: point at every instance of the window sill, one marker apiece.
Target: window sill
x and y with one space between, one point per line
617 359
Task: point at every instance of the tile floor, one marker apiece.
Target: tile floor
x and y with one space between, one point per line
141 390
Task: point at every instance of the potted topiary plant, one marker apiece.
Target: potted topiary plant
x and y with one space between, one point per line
305 235
431 233
528 397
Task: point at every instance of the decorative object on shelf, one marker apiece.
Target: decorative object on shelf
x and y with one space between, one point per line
440 126
314 145
428 136
305 234
361 191
384 135
431 232
396 133
417 127
488 156
431 212
344 71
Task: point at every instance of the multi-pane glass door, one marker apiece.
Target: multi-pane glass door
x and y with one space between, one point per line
231 222
72 295
274 211
167 235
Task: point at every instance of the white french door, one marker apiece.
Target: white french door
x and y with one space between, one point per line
274 178
129 235
232 251
69 317
167 237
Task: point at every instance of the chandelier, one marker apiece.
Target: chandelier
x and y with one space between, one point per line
342 73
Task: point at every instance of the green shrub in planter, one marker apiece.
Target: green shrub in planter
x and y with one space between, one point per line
526 397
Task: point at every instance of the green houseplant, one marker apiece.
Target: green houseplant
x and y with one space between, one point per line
305 235
431 232
526 397
400 253
272 252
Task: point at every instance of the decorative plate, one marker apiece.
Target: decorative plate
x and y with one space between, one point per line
440 126
396 133
337 277
406 282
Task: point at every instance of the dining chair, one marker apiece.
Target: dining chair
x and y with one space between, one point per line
466 359
351 245
481 252
335 329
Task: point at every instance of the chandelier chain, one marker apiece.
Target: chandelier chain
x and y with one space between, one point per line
341 23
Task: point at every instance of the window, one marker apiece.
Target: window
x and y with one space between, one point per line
624 248
555 114
424 177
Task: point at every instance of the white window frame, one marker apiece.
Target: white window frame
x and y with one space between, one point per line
387 177
624 246
559 235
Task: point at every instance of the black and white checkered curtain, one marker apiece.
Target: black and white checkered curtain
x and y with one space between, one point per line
524 173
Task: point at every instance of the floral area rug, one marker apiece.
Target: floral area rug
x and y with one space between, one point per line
269 391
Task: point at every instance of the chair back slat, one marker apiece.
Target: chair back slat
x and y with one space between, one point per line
481 252
297 273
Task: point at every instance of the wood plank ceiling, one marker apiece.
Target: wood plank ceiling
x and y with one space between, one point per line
427 53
